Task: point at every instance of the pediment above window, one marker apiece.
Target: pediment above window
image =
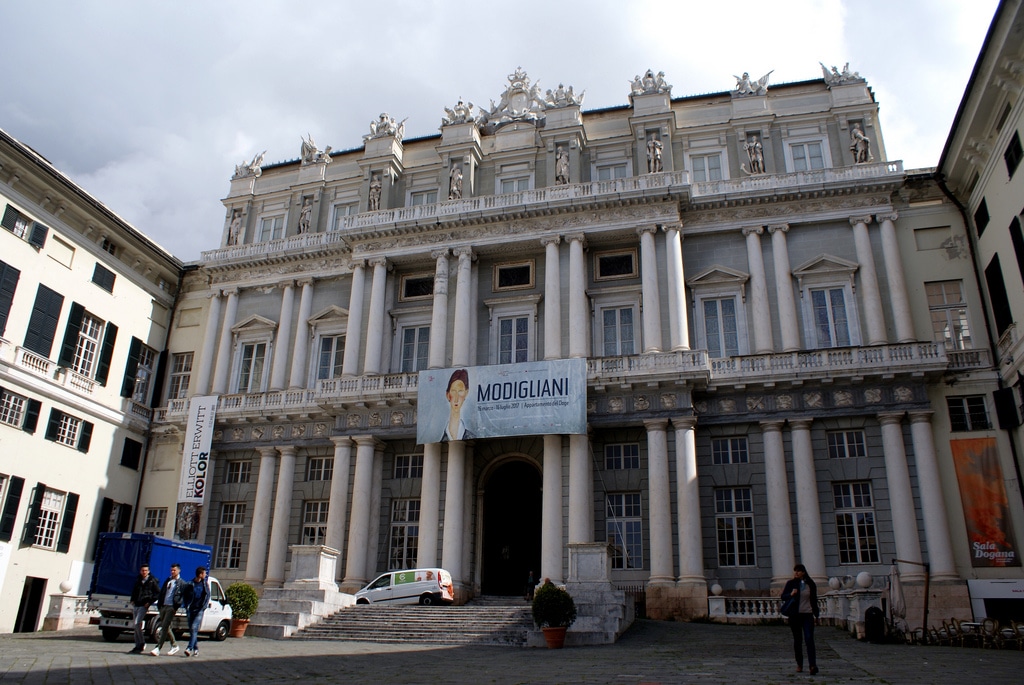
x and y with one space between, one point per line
254 325
718 275
824 268
330 315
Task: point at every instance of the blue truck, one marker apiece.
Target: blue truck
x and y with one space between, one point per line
118 559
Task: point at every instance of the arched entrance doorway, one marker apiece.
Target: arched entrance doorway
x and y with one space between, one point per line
512 522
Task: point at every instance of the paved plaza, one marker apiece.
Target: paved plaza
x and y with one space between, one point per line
651 652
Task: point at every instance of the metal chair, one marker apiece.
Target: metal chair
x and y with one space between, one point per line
990 635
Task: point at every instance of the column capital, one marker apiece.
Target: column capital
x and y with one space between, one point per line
887 216
921 416
341 440
550 240
464 252
862 219
889 418
577 237
213 294
684 422
305 282
771 426
674 226
379 261
800 424
287 450
357 264
753 230
439 254
656 424
650 228
227 292
288 283
267 452
366 440
782 228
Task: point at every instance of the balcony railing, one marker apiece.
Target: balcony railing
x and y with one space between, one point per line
307 242
803 179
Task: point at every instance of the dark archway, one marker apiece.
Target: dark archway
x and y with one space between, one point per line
512 523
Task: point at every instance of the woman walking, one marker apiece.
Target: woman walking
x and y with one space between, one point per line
801 622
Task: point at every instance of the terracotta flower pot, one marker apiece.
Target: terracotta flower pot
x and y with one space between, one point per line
555 637
238 626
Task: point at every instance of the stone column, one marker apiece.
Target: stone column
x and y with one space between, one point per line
581 490
649 288
780 527
337 509
359 523
207 358
282 517
284 337
870 293
808 507
454 508
552 305
784 294
659 499
933 505
463 307
223 372
577 299
438 353
354 329
679 332
901 496
256 559
758 292
691 545
898 298
375 324
430 504
300 351
551 527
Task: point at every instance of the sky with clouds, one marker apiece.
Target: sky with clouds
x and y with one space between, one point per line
150 105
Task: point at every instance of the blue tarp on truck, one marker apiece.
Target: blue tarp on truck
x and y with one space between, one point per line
120 555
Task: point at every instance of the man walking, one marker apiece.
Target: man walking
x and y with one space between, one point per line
145 592
168 604
197 594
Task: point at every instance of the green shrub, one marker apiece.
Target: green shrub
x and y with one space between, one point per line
243 600
553 607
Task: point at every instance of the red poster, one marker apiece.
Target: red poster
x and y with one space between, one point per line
984 500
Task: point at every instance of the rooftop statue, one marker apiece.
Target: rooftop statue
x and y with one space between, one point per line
520 102
836 77
649 84
246 169
311 154
461 113
746 86
562 97
385 126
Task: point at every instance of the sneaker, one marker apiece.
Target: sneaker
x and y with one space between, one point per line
174 650
156 651
188 652
137 650
195 653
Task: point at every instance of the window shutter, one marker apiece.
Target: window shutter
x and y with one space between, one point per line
32 408
158 378
42 325
103 277
53 426
124 518
67 350
106 352
10 511
68 524
28 537
8 284
10 218
37 236
103 525
131 454
130 369
84 436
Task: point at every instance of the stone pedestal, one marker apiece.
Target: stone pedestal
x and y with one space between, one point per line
313 566
66 612
590 565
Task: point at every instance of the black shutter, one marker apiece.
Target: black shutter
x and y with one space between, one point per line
74 327
84 436
10 511
997 295
106 353
103 525
37 236
68 524
8 284
158 379
10 218
42 325
103 277
28 537
1006 408
124 518
53 425
31 420
131 454
130 369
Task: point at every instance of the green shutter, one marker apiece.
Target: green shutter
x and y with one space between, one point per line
67 349
31 420
8 284
28 537
53 425
68 524
131 368
10 511
42 324
84 436
106 353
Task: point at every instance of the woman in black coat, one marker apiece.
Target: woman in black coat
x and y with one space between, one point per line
802 622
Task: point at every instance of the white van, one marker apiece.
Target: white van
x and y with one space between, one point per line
414 586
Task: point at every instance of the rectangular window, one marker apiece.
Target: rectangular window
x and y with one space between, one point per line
250 377
734 527
69 430
332 355
624 528
181 374
622 456
103 277
417 287
968 413
108 247
144 369
846 444
320 468
611 172
706 167
807 156
729 451
855 523
229 535
87 348
513 340
948 310
415 347
314 522
1014 153
49 519
340 212
131 454
271 228
513 276
515 185
409 466
12 408
831 326
998 296
155 520
981 216
405 533
238 471
617 331
67 433
422 197
720 327
614 265
23 227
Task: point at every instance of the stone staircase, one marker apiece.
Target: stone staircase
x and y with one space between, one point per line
485 621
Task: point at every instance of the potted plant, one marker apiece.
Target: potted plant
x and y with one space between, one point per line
243 600
553 612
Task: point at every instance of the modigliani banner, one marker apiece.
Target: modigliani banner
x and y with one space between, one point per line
986 508
536 398
195 465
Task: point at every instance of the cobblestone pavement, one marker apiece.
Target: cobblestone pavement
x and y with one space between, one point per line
650 652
